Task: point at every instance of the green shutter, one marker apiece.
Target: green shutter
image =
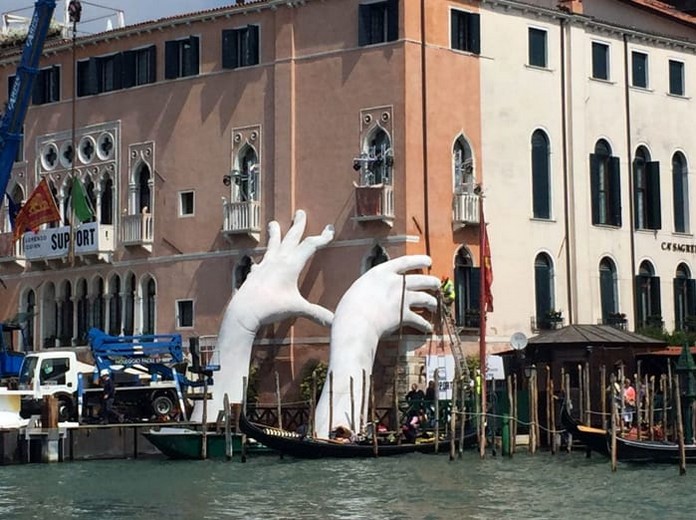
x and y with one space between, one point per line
455 19
654 207
229 49
118 71
655 302
677 284
678 194
474 32
392 20
152 64
615 191
594 187
128 69
253 45
171 59
691 297
540 176
55 83
364 11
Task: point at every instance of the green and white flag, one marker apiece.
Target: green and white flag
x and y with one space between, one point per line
81 204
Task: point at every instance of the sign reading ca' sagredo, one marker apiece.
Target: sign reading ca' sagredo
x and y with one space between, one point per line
678 247
55 242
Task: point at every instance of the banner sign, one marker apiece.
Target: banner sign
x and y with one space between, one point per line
49 243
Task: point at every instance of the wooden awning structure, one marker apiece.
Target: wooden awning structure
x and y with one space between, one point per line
588 335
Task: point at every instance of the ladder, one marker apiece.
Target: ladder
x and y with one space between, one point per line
449 329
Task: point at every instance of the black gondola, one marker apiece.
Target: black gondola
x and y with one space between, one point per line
296 445
629 450
594 438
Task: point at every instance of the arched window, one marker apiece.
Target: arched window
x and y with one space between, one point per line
463 165
467 283
377 159
646 190
99 307
143 198
541 176
608 291
49 315
106 216
83 308
246 176
242 271
684 299
149 305
377 256
91 196
129 317
605 186
544 290
30 313
65 334
680 192
115 306
648 291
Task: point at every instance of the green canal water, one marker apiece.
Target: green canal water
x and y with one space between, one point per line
413 486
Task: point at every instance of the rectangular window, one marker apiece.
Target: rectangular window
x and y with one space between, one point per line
109 72
676 78
139 66
19 156
184 314
240 47
466 31
186 200
600 60
181 58
639 61
378 22
537 47
47 86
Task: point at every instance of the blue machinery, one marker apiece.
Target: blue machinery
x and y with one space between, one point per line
11 126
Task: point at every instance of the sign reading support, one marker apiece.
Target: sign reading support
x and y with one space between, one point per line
444 365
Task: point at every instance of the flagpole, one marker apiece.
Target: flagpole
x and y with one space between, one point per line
482 323
74 12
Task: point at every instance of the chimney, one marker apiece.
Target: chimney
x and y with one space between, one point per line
571 6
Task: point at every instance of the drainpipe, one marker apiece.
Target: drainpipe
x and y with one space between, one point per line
630 184
566 198
424 115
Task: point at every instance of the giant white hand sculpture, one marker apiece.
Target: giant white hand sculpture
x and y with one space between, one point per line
269 294
369 310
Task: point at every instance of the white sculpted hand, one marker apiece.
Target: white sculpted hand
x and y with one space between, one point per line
370 309
269 294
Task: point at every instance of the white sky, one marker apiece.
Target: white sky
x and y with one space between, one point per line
135 11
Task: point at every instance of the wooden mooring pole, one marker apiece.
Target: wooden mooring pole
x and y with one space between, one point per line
204 422
313 407
437 408
680 426
453 420
363 400
352 405
613 422
511 415
330 402
228 428
244 411
279 404
462 423
373 416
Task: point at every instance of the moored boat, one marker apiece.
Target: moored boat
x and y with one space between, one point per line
185 443
300 446
646 451
594 438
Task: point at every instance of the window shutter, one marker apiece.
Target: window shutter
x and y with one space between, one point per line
655 304
654 208
253 58
118 71
474 293
677 284
474 32
128 69
691 297
152 64
636 191
364 11
55 84
171 60
542 283
92 77
615 190
606 293
392 20
229 49
594 187
640 309
37 97
454 29
678 194
540 177
192 58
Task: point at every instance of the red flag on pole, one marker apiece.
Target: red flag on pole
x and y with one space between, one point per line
487 270
39 208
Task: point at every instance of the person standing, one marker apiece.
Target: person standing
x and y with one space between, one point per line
107 396
629 396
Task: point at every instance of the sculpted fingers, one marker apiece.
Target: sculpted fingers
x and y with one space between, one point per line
419 322
316 313
273 238
294 234
421 300
405 263
422 282
310 244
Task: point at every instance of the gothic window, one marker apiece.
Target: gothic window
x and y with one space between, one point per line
149 302
115 306
83 312
684 298
543 289
463 164
377 159
541 176
649 312
106 216
608 289
680 191
246 176
99 308
129 317
605 182
65 333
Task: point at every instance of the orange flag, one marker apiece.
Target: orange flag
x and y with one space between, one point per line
39 208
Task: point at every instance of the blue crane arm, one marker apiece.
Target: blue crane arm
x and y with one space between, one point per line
146 349
13 119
